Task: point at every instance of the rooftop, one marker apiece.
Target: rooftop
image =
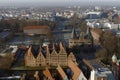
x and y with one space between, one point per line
47 74
75 70
62 73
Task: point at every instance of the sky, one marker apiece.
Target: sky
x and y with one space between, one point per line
56 2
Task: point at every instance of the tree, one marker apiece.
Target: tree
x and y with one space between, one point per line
118 47
109 46
109 41
102 54
16 25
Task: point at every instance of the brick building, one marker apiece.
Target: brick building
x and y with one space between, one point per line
54 58
41 30
82 39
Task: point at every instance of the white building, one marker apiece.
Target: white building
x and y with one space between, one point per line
102 74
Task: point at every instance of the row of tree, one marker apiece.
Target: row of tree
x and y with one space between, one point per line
17 25
110 44
74 21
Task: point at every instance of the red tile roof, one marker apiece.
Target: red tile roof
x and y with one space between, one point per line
61 72
36 27
75 70
47 73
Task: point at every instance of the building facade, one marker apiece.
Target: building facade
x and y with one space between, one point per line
82 39
40 30
49 59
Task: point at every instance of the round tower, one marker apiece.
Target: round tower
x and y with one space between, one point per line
114 58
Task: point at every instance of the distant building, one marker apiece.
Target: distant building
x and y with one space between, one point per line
38 58
82 39
93 15
32 30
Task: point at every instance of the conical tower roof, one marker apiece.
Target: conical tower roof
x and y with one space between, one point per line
73 34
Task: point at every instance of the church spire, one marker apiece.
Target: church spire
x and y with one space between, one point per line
73 34
88 33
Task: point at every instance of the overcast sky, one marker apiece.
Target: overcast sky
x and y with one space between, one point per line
5 1
55 2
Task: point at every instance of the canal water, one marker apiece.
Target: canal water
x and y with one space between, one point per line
27 40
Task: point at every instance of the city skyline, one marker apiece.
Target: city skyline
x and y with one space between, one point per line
57 2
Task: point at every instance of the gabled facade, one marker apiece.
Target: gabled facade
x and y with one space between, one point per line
71 56
30 59
47 55
49 59
40 60
62 56
54 57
